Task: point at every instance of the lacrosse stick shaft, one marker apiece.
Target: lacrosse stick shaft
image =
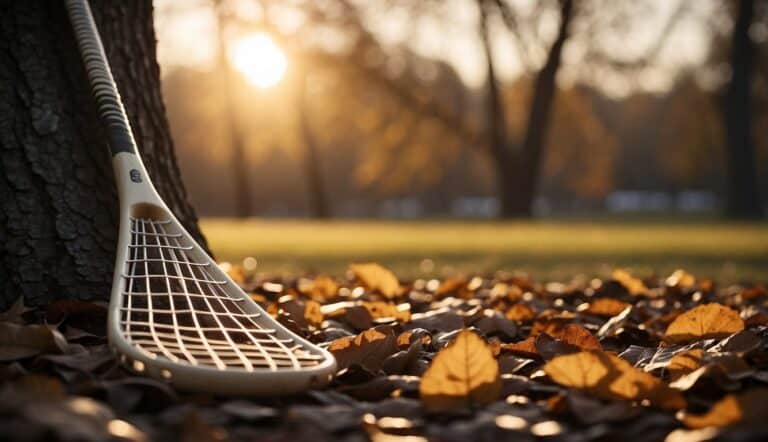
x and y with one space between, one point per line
108 102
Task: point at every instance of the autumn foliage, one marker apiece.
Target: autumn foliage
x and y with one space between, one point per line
448 359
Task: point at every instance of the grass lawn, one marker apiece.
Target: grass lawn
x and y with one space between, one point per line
547 249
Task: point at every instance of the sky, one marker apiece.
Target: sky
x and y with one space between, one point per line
186 33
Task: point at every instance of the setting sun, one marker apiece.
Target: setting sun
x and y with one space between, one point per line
260 59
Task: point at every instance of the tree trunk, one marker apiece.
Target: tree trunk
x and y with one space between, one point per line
318 200
500 152
58 204
539 119
243 198
742 189
518 171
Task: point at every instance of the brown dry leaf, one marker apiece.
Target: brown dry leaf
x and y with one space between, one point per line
312 313
685 362
607 307
610 377
379 309
368 349
681 279
321 289
236 272
633 285
22 341
702 322
462 375
520 312
451 285
579 336
525 348
406 338
748 407
377 278
551 326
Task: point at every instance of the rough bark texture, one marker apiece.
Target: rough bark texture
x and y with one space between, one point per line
58 204
743 196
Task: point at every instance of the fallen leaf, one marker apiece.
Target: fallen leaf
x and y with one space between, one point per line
684 363
462 375
579 336
525 348
312 313
520 312
702 322
321 289
748 407
380 310
14 312
607 307
633 285
680 279
451 285
377 278
22 341
610 377
368 349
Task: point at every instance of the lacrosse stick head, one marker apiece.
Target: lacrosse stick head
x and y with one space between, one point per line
174 315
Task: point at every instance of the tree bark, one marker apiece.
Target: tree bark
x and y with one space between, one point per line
58 203
743 200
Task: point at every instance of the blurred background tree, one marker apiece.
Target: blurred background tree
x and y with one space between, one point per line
510 108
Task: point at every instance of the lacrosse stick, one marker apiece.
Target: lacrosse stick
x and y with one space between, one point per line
173 313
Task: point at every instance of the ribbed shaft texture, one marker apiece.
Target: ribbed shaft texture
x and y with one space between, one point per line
108 102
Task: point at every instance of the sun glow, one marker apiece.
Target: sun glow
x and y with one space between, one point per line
259 59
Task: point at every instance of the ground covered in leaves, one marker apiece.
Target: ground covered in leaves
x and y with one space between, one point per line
674 358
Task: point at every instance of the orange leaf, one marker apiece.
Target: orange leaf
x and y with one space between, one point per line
748 407
520 312
312 313
680 278
378 309
368 349
607 307
462 375
633 285
703 322
579 336
685 362
377 278
607 376
525 348
320 289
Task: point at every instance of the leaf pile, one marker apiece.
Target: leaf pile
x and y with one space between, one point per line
466 358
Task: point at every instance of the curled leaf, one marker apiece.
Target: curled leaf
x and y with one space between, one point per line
702 322
634 286
462 375
521 313
685 362
607 307
22 341
748 407
610 377
368 349
321 289
377 278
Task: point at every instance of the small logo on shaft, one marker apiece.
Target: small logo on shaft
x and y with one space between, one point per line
135 175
